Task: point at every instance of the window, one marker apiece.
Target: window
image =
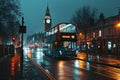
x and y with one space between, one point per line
93 34
100 33
109 45
109 30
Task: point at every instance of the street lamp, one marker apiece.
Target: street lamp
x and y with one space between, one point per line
22 30
118 25
80 34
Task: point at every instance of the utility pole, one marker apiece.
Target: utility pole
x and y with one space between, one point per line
22 30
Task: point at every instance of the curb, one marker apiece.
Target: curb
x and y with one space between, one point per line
49 76
116 66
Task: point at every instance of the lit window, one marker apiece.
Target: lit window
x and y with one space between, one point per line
114 45
100 33
93 34
109 45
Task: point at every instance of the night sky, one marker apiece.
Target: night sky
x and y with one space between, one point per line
61 11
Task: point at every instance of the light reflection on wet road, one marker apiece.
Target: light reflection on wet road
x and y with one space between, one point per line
73 69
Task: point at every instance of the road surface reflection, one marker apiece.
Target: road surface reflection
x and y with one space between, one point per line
74 69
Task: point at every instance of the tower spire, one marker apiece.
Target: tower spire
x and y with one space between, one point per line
47 11
47 19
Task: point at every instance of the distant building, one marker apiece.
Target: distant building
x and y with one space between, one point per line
35 40
47 20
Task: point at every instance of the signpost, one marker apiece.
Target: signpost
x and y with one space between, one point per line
22 30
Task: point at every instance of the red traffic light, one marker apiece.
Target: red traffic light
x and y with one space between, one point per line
13 38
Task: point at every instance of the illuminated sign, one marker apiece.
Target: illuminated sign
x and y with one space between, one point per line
22 29
65 36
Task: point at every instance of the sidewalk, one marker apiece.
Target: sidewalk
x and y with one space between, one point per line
109 60
10 69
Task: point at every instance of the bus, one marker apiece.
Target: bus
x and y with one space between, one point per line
60 41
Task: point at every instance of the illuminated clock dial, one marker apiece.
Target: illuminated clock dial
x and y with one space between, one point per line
48 20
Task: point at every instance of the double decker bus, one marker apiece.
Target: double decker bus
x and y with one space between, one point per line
61 41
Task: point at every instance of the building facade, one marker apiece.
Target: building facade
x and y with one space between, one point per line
104 37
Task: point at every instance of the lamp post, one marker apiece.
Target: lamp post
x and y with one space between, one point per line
22 30
80 34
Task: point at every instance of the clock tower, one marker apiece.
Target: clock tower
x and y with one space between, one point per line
47 20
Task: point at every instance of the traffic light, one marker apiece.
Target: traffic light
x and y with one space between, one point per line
13 39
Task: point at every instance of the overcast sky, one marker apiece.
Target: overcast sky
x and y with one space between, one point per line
61 11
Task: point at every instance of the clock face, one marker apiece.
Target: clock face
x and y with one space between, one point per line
48 20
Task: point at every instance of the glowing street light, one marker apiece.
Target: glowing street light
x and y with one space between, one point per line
80 34
118 25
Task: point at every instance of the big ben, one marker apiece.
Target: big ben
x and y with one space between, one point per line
47 20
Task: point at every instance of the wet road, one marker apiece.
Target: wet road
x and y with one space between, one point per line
74 69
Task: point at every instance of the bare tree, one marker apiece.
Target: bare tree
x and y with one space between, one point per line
83 19
9 15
